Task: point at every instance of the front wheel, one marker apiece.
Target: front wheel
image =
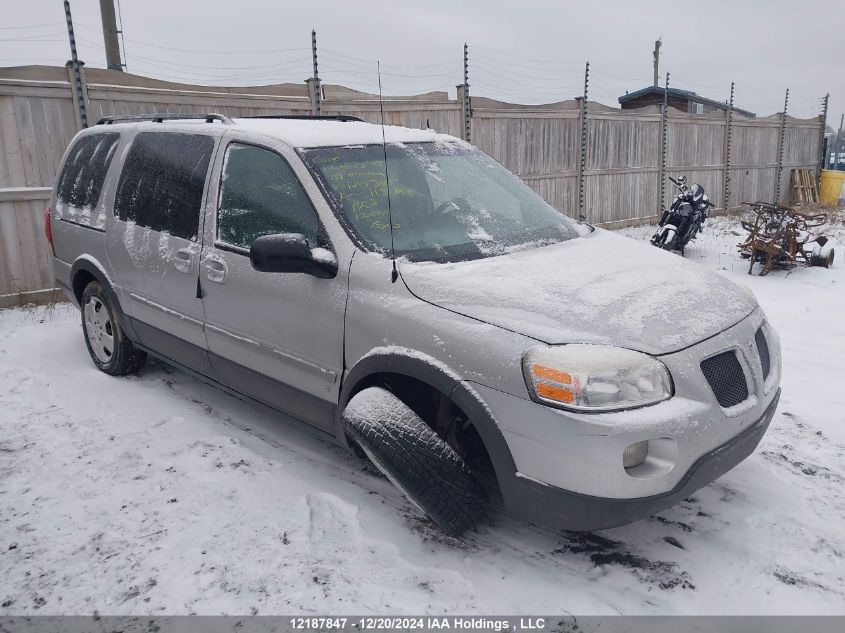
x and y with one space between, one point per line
107 344
666 239
412 456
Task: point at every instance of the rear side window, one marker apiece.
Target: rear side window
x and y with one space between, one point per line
260 195
84 171
162 182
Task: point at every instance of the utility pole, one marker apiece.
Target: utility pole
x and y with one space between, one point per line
656 54
110 32
318 97
837 147
76 73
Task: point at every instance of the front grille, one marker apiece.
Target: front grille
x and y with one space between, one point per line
726 378
763 351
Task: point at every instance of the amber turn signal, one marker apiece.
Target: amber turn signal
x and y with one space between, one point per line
541 371
560 394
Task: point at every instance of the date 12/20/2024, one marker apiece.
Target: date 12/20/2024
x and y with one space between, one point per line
421 623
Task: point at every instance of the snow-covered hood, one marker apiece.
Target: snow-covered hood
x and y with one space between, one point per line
602 288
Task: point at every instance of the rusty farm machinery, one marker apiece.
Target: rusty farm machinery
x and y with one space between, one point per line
782 237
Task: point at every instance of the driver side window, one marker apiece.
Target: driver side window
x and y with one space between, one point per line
260 195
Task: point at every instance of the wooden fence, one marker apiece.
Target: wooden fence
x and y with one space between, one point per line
26 269
623 154
622 170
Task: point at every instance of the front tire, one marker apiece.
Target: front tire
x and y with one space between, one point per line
667 239
424 467
111 351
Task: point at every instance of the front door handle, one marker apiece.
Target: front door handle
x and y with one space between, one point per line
183 260
216 270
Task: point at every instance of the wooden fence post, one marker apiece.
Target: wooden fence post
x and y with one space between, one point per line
314 96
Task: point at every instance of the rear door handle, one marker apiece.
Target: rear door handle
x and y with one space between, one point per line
183 260
216 270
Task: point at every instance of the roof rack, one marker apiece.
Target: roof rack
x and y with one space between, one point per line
308 117
209 117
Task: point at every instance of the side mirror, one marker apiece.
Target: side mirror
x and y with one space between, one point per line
290 253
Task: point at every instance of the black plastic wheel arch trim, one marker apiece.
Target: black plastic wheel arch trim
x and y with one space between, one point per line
459 392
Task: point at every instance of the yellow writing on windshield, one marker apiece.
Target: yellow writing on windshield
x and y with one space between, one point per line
361 187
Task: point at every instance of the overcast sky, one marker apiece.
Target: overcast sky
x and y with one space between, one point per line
521 51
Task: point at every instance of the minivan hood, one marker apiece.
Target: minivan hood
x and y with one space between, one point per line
603 288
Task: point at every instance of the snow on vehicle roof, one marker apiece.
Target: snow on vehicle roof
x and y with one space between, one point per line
305 133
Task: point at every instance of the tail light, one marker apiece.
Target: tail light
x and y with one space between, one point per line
48 229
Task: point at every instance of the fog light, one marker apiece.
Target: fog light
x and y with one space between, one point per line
635 454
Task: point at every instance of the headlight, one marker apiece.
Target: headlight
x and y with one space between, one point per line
594 378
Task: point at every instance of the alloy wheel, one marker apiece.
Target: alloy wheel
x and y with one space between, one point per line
99 329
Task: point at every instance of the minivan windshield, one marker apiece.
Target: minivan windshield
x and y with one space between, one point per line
448 201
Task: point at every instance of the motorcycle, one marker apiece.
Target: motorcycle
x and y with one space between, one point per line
682 221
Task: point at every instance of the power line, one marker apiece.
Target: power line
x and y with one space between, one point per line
421 66
520 76
41 61
368 87
329 51
553 93
203 52
526 59
367 63
31 26
454 73
278 66
34 38
550 66
605 75
512 80
218 52
275 77
490 63
122 41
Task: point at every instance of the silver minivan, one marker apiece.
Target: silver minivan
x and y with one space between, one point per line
403 293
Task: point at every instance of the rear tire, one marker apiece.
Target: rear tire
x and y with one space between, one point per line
421 465
111 351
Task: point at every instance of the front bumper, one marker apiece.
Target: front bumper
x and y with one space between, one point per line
583 452
553 507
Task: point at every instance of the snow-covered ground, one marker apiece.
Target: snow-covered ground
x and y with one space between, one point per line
158 494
